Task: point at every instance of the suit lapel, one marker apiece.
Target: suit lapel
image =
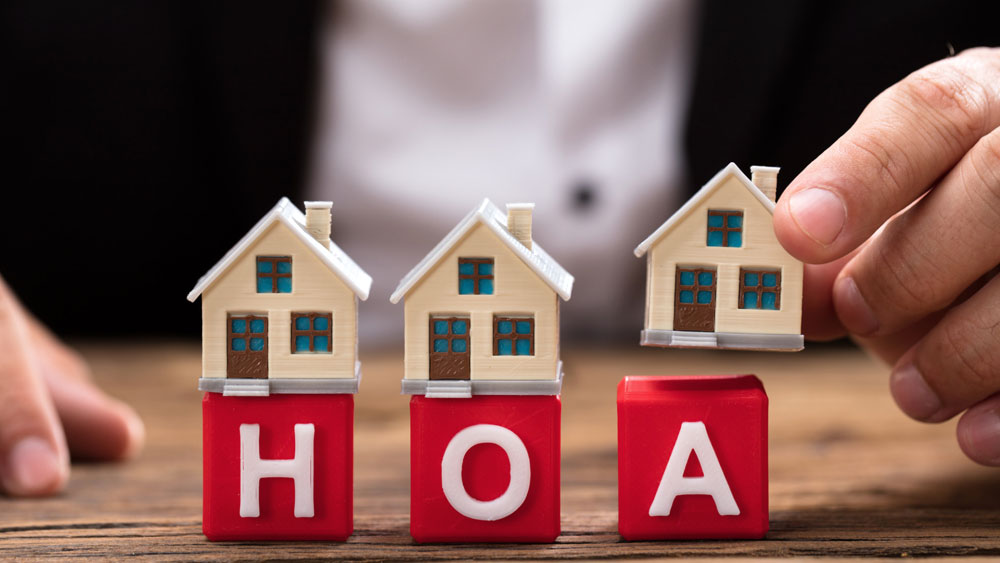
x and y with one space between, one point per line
743 47
264 68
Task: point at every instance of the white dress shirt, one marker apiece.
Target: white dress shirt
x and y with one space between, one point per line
428 106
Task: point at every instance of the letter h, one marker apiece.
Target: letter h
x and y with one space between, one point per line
253 469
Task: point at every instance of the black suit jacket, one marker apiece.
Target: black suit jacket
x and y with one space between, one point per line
148 136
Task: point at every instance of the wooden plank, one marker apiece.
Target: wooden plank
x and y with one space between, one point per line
850 475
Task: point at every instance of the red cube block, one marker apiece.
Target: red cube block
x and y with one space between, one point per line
692 457
278 467
484 469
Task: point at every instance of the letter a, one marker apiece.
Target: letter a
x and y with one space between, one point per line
693 437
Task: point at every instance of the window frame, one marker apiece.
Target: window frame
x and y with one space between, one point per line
273 275
697 287
760 289
312 333
248 334
475 276
514 336
451 335
725 229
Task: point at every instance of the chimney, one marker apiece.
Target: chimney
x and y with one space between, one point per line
766 180
519 222
318 221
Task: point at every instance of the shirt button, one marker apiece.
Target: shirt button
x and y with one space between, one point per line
584 196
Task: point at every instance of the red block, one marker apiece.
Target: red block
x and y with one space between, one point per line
459 437
716 476
328 419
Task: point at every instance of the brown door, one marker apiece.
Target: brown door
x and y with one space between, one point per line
246 355
449 348
694 299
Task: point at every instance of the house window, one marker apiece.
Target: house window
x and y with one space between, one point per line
475 276
450 335
725 228
513 336
760 289
274 274
247 333
696 285
311 333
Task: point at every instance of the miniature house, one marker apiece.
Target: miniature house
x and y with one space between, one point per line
482 310
279 311
482 359
717 276
280 367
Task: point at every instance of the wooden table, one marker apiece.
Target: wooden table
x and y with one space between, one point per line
850 475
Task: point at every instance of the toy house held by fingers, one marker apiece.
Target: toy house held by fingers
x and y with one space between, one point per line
482 361
717 277
279 368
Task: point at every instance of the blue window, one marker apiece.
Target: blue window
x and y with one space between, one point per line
475 276
513 336
274 274
449 335
725 228
312 333
760 289
247 333
695 286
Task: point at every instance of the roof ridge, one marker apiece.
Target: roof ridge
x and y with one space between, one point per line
490 216
702 193
338 261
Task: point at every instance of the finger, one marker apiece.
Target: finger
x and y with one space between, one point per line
819 320
891 347
33 455
979 432
97 427
906 138
956 365
928 255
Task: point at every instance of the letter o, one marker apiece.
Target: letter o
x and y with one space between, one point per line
451 472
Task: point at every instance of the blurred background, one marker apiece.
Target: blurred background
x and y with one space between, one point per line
145 138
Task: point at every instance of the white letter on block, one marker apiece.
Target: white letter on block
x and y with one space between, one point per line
451 472
693 437
253 469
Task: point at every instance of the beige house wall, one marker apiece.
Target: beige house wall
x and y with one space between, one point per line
314 289
517 291
685 245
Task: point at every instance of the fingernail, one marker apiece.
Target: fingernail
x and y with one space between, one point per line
136 434
819 213
852 309
981 436
912 394
33 468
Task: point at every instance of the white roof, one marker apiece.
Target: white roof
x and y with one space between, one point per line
336 259
705 190
488 214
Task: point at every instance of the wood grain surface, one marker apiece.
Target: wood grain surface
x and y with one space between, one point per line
850 476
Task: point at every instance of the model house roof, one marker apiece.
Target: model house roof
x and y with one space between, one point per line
489 215
285 212
702 193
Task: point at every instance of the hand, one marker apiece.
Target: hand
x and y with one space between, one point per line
48 401
902 217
